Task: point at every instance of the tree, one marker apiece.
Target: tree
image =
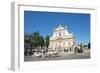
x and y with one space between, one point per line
35 39
89 45
26 36
41 41
47 41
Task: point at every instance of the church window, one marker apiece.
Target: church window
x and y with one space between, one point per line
63 43
69 43
59 34
63 33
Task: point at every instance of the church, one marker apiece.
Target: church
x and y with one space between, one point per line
61 39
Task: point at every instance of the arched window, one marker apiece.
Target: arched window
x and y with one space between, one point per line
69 43
63 33
59 33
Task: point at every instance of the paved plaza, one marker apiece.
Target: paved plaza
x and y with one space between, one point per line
67 56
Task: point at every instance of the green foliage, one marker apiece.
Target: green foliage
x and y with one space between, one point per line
47 41
37 41
89 45
41 41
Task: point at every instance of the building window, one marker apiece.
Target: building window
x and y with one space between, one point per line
56 44
63 43
56 34
63 33
69 43
59 34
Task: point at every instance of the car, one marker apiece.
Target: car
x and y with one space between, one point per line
52 53
37 54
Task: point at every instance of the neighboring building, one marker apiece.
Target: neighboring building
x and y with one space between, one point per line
27 48
61 40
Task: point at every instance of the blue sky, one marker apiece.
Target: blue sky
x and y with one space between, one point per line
45 22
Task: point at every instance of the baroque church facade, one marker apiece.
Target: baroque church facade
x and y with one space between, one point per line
61 39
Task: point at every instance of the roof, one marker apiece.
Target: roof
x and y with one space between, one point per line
59 28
